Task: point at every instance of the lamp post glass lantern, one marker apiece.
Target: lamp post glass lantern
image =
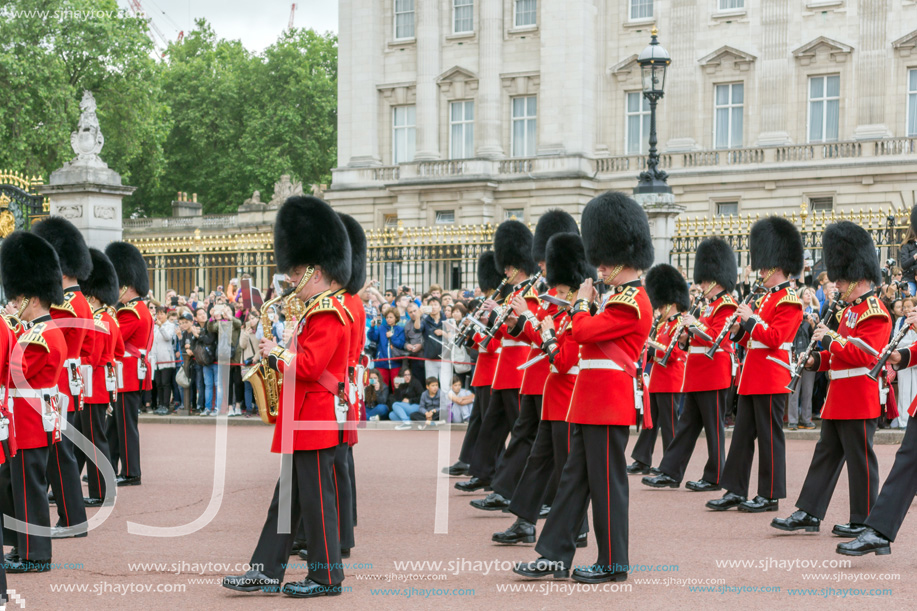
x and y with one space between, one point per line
653 60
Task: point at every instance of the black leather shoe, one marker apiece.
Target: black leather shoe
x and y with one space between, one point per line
655 471
18 565
545 510
542 568
128 481
582 540
759 504
471 485
520 532
85 478
798 520
91 501
310 589
51 499
590 575
867 542
660 481
304 553
69 532
727 501
298 546
702 485
492 502
848 530
638 468
457 470
251 581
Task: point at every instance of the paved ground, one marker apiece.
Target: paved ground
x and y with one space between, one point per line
397 488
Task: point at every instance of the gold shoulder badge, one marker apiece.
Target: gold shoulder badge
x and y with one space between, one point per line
100 324
727 301
626 297
790 298
874 309
67 306
340 297
324 304
34 336
532 294
130 307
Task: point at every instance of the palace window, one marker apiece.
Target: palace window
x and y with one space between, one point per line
514 213
821 204
526 13
912 103
729 104
727 208
524 118
824 108
404 19
461 129
641 9
638 123
444 217
404 133
731 5
462 16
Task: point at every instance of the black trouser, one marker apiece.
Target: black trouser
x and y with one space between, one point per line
596 468
758 417
64 477
93 420
163 379
499 417
662 411
481 399
313 504
77 425
236 389
111 433
127 412
343 494
703 411
899 489
353 482
842 441
511 464
24 495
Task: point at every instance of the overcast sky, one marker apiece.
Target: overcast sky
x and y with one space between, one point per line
257 23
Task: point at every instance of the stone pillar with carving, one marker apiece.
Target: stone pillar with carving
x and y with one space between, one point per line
429 52
85 190
662 211
488 135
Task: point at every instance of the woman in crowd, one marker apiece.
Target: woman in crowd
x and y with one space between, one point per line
800 402
250 355
413 341
907 258
387 334
407 392
377 396
431 326
163 358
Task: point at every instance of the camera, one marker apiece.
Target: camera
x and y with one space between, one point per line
890 262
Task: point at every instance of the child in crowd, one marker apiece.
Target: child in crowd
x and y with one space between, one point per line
377 395
428 408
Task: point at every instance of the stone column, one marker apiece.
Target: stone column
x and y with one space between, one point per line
429 53
360 54
489 103
680 118
662 211
772 67
872 59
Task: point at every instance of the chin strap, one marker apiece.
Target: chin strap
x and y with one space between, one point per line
307 275
614 274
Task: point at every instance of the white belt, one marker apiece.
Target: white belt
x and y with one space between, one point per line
508 343
570 372
599 364
756 345
498 350
33 393
69 362
702 349
840 374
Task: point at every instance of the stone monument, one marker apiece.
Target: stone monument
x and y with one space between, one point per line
85 190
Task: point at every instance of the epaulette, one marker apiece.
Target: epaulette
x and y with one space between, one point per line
324 304
34 336
660 326
875 309
100 324
66 306
626 297
130 307
340 296
113 313
532 294
759 301
726 300
790 298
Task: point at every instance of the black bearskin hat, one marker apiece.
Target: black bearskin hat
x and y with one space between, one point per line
665 285
775 242
850 254
358 254
513 247
566 260
308 232
489 277
715 261
29 267
617 232
69 244
102 283
914 219
130 266
550 223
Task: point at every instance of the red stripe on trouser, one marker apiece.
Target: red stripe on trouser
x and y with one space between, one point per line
337 498
321 503
718 469
866 452
60 477
770 410
25 503
608 490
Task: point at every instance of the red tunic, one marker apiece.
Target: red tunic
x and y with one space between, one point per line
354 306
534 377
558 388
606 395
38 357
136 324
852 395
75 322
702 373
7 341
515 350
321 343
670 377
107 338
770 332
486 365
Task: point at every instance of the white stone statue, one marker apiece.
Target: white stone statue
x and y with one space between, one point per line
254 199
285 188
87 140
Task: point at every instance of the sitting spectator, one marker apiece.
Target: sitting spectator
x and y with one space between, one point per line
387 334
460 400
377 396
402 409
408 396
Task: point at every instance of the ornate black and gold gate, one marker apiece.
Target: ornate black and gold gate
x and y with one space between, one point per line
20 206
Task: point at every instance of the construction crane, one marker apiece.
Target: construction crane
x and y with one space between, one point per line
163 42
292 14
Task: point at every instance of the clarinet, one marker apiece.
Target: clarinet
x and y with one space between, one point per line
731 321
801 363
679 329
464 333
507 310
887 352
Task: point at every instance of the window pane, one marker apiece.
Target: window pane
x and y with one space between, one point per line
531 106
469 141
736 127
912 114
530 138
525 12
834 86
464 16
633 102
518 138
457 142
913 80
633 134
641 9
816 87
469 111
518 107
456 111
410 113
411 139
831 120
738 93
722 128
815 121
722 94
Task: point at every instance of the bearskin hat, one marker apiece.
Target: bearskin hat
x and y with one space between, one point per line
775 242
69 244
102 283
513 247
715 261
550 223
308 232
914 219
665 285
130 266
617 232
358 254
489 277
850 254
29 267
565 260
